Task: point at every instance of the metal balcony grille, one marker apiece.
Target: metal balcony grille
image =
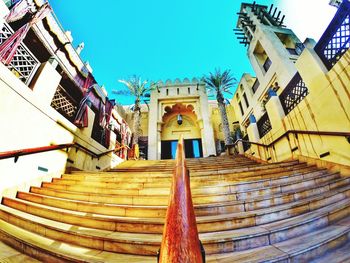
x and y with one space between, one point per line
264 125
24 64
293 94
336 39
64 103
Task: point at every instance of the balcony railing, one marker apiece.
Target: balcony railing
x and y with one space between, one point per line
64 103
24 64
264 125
293 94
335 41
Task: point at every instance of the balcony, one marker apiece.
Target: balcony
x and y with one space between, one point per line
64 103
24 64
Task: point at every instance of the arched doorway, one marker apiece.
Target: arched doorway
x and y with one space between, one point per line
180 119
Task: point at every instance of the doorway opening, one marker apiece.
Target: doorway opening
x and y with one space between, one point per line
193 149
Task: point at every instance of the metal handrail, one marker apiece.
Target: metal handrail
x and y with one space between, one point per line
180 242
326 133
28 151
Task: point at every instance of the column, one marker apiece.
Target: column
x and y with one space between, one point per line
252 130
275 110
45 83
207 131
153 127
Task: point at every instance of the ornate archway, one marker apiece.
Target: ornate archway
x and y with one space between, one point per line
171 131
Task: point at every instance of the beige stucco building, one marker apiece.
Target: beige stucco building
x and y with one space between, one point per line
181 107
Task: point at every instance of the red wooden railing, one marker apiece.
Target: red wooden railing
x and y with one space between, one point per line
180 241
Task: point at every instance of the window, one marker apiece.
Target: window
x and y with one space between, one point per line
267 64
255 85
288 42
189 90
178 91
262 58
241 108
167 92
245 99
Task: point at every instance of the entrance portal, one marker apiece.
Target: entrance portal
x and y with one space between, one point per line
180 119
193 149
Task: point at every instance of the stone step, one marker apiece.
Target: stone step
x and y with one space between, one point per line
202 180
209 192
146 174
248 182
52 250
205 223
272 233
271 214
258 201
159 211
303 248
112 241
235 240
198 189
134 165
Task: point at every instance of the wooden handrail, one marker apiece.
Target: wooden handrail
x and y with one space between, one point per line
28 151
180 242
326 133
121 147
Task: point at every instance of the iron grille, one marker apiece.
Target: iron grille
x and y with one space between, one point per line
336 39
293 94
64 103
24 64
264 125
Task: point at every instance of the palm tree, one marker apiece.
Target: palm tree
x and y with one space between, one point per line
140 90
220 83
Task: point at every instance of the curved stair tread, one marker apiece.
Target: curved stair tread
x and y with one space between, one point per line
278 208
200 219
113 236
91 188
271 228
269 181
262 198
38 244
299 248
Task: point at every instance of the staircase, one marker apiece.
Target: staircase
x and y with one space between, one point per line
246 212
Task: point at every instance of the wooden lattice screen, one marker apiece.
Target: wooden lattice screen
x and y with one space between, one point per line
24 64
293 94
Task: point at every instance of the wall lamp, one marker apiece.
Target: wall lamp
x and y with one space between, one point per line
179 119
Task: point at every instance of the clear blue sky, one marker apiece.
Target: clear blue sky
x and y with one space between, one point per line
156 39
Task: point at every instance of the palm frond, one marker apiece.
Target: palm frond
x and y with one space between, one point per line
135 87
220 82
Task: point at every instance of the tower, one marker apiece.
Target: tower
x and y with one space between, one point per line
272 48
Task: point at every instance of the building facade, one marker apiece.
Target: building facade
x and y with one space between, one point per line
298 102
181 107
